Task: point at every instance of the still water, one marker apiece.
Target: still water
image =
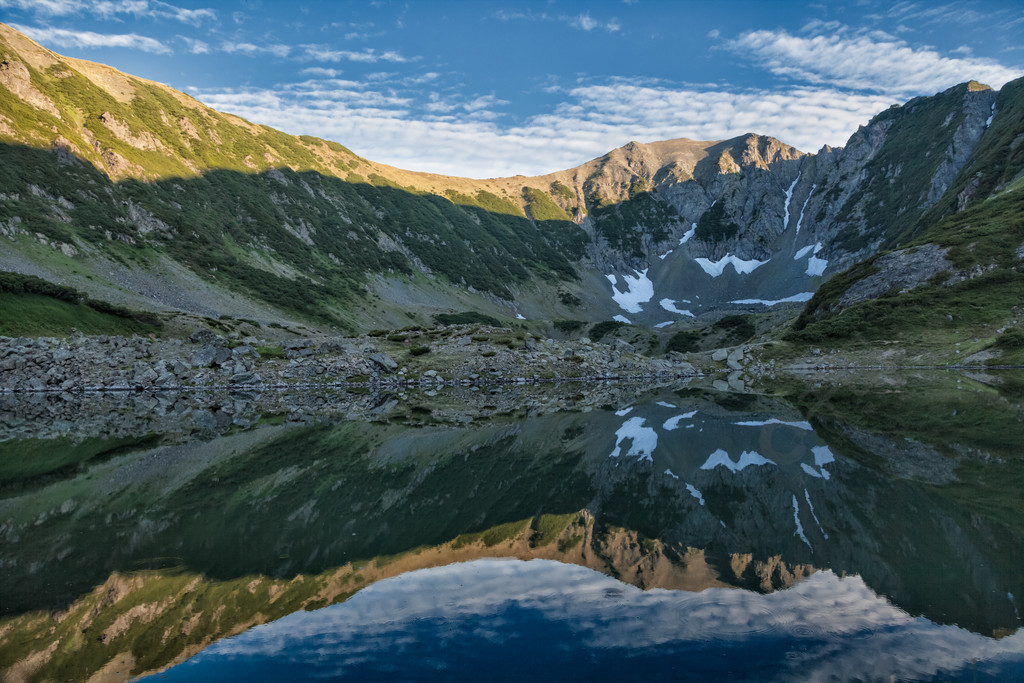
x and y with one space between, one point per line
867 527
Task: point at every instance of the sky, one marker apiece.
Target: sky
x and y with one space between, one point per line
485 89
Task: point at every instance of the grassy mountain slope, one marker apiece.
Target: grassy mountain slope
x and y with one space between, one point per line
100 166
953 291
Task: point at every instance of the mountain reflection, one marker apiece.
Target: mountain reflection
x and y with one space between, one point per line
169 540
510 619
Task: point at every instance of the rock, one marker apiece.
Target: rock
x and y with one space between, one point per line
165 380
720 355
203 420
202 336
385 361
245 378
144 375
203 356
899 271
209 355
244 351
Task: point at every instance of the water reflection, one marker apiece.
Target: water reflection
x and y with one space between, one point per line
509 620
128 547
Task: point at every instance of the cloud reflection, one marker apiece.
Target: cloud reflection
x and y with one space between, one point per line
824 627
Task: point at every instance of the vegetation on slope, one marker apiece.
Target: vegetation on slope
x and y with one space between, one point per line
300 223
34 307
900 174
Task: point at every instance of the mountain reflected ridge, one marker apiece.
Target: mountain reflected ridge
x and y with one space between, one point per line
144 555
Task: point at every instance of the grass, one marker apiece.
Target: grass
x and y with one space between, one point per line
29 462
981 240
547 528
36 315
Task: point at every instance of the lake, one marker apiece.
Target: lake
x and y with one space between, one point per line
833 527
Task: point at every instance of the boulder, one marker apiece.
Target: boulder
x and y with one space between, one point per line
385 361
202 336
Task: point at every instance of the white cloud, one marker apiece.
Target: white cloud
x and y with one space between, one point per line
587 23
874 62
112 8
369 55
459 136
196 47
65 38
251 50
841 628
320 71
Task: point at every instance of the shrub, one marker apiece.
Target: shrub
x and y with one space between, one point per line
737 328
1011 339
602 329
569 326
569 299
466 318
419 350
684 342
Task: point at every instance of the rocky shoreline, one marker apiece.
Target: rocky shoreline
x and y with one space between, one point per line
452 356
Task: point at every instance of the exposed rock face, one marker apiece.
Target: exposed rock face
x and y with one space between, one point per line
899 271
15 77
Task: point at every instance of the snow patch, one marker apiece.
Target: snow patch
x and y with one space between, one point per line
804 250
519 316
695 493
644 439
670 306
789 198
810 470
670 473
807 497
822 455
662 256
665 324
665 404
816 266
747 459
799 527
624 412
622 319
801 218
796 298
688 234
672 423
774 421
988 121
639 290
716 268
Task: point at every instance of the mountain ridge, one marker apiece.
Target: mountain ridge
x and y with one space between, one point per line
273 215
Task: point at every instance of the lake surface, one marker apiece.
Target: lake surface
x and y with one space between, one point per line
850 526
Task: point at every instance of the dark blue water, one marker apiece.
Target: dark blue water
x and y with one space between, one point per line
541 620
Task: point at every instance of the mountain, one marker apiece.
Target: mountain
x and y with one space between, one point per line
139 196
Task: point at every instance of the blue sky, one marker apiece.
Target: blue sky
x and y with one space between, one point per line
486 88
